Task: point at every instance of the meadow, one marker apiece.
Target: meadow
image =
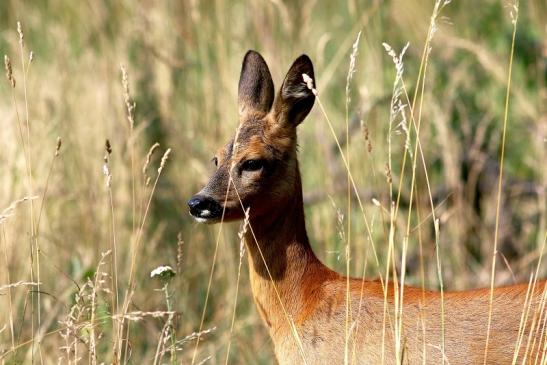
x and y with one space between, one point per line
111 112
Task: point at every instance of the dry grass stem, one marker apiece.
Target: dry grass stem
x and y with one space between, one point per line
514 18
10 210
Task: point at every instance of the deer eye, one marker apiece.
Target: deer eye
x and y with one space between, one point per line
252 165
215 161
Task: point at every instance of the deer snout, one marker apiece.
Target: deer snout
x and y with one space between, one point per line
204 208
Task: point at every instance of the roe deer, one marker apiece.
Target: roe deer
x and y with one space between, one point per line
303 302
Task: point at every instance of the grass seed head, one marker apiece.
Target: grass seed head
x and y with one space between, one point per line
164 160
352 64
180 245
108 146
309 83
21 35
129 103
58 146
148 158
9 71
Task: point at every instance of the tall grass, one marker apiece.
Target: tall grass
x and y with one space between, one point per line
78 246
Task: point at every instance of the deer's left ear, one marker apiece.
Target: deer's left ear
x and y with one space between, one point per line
256 89
295 100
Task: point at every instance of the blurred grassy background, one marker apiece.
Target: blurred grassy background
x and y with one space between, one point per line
183 60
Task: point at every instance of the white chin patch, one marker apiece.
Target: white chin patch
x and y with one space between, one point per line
205 216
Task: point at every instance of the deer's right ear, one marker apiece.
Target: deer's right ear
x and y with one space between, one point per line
295 99
256 88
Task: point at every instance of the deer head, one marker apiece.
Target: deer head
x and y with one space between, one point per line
258 168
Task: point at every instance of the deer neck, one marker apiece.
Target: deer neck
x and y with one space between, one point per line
281 262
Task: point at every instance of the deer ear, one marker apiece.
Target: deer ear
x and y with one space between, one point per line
295 100
256 89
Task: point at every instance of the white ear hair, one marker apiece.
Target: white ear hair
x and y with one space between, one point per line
297 91
296 98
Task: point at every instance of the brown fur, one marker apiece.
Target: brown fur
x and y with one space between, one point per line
290 284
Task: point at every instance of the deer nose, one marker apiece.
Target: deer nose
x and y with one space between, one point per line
204 207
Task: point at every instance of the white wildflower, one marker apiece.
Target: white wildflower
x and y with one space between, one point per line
163 272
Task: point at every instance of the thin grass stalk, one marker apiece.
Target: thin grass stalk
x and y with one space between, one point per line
354 187
40 210
10 306
158 355
166 331
523 318
543 298
437 230
171 327
413 188
136 244
130 106
396 108
146 180
436 227
241 254
535 321
11 79
514 16
542 328
360 203
145 216
544 352
46 187
435 220
92 353
26 154
33 243
113 245
386 316
215 253
294 330
385 313
383 283
351 71
421 76
391 229
358 317
439 5
92 336
422 280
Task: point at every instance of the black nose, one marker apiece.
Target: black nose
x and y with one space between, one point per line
204 207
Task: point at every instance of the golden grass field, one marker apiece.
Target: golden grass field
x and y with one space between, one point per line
81 228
